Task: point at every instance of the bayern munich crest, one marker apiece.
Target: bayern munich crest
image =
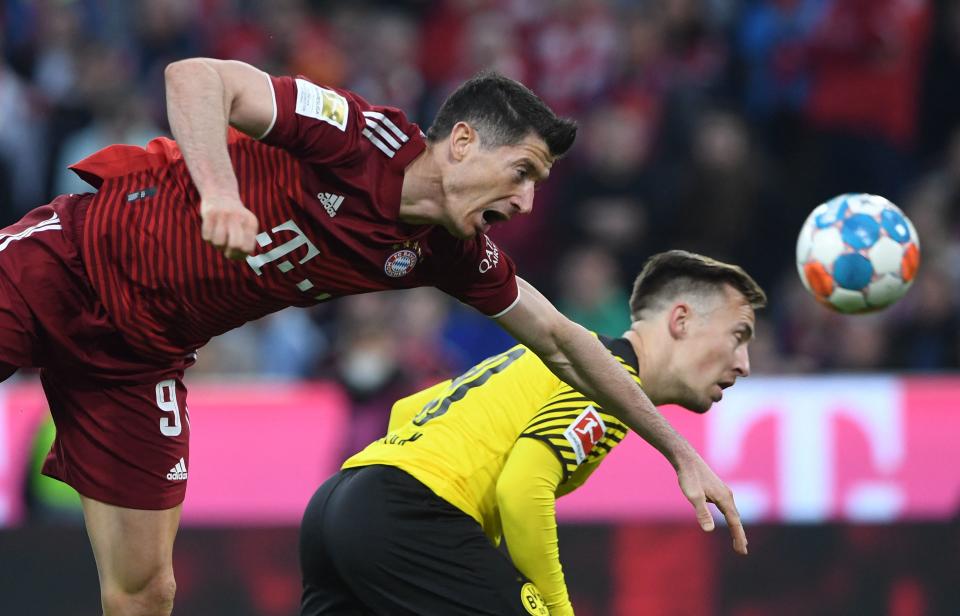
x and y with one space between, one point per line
400 263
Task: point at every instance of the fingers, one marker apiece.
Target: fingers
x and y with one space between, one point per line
703 513
231 231
739 536
214 231
240 239
729 510
700 485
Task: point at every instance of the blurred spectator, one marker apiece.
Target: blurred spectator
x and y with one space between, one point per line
474 336
860 345
118 113
450 28
766 354
302 42
865 58
940 99
772 36
928 338
419 323
609 197
805 330
56 64
233 355
166 30
376 36
572 44
696 60
385 347
591 293
291 345
22 156
720 200
367 362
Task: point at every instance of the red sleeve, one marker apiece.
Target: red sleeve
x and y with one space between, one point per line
481 275
315 123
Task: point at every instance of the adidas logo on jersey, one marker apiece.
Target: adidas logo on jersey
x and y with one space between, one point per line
178 472
330 202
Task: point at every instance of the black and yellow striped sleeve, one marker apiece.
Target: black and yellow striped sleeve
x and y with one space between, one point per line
575 428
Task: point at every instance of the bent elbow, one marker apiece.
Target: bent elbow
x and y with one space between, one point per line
185 70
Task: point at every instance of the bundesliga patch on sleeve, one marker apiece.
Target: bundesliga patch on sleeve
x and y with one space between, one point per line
585 432
322 104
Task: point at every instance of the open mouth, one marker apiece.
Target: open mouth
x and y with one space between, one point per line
493 216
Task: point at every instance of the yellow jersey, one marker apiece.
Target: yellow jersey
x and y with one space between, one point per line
456 436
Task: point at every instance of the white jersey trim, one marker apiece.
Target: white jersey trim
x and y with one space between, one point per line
51 224
383 133
508 308
273 98
380 145
376 116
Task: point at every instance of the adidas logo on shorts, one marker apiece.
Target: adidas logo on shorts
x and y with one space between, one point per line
178 472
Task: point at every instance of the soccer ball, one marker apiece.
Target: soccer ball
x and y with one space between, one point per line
857 253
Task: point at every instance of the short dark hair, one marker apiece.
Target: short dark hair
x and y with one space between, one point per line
667 275
503 112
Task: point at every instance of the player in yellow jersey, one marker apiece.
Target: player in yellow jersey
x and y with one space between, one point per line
410 524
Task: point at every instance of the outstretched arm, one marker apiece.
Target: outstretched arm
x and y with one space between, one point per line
579 359
204 97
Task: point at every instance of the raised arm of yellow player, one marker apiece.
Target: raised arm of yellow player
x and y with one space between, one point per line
526 496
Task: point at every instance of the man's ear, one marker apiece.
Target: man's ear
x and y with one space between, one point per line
678 320
462 137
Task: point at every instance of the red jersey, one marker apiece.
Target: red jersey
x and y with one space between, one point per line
324 183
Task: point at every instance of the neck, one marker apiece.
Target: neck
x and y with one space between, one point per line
638 336
422 195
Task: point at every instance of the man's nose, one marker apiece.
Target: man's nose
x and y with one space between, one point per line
742 365
523 202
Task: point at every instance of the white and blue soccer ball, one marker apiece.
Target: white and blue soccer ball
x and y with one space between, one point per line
857 253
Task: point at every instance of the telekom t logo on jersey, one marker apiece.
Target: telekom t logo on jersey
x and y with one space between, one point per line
299 240
805 446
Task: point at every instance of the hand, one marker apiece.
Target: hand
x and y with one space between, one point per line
228 226
701 486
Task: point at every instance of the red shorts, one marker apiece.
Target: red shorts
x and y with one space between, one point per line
122 426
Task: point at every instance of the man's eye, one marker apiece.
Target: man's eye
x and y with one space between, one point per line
522 173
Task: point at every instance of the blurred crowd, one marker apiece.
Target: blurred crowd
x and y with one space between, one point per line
710 125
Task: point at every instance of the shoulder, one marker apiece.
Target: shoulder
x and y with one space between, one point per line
577 430
623 351
328 123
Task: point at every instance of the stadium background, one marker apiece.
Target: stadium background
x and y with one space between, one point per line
712 125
